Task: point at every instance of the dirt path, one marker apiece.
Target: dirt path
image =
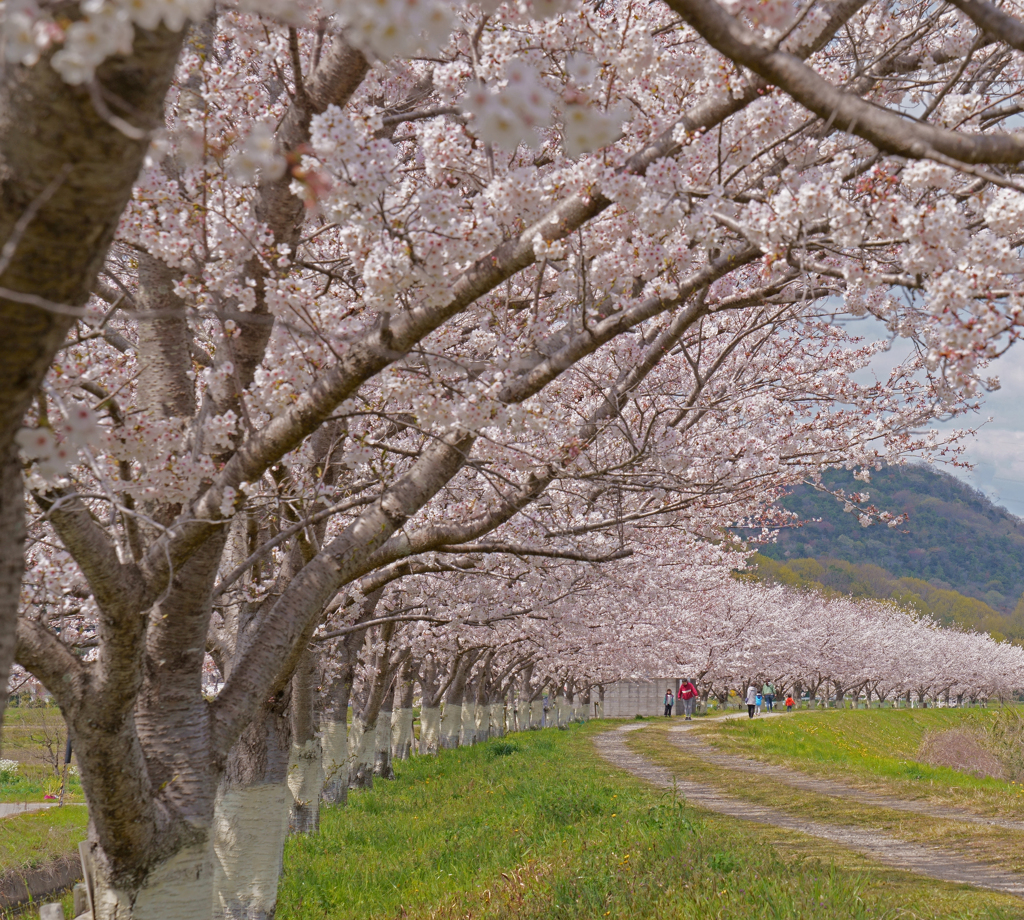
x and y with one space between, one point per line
680 736
930 861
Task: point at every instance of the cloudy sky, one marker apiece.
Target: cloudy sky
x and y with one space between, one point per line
997 452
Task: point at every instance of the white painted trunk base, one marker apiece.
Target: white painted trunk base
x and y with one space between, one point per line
305 782
250 826
467 731
523 716
335 761
334 744
182 887
382 745
451 725
361 744
496 720
430 729
536 713
401 734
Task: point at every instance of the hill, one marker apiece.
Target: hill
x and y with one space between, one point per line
955 539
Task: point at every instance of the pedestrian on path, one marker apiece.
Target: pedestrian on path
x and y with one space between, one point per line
669 700
768 691
688 694
751 700
758 700
789 702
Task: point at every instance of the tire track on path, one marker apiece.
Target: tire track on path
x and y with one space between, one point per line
933 862
679 735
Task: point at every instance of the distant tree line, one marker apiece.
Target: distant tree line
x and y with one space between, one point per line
837 577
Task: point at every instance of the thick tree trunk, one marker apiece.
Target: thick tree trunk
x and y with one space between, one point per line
362 743
382 752
12 559
483 723
402 715
334 725
496 720
522 714
467 727
305 766
252 819
60 157
430 729
451 724
179 886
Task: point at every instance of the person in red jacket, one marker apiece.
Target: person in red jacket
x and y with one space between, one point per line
688 694
789 703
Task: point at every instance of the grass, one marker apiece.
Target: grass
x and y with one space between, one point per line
35 737
29 840
537 826
34 839
874 749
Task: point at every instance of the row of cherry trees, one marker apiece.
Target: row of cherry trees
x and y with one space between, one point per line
428 342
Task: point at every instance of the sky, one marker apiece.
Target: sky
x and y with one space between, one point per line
997 451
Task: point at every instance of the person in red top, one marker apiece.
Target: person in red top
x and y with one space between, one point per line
789 702
688 694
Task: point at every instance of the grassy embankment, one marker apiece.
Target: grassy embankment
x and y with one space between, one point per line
538 826
873 751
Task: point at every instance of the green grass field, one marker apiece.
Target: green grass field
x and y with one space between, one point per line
538 826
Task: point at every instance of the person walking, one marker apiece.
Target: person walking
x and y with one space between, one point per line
751 700
688 693
768 691
669 700
789 702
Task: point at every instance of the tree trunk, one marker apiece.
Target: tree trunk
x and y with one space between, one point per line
62 158
522 714
430 729
402 716
382 753
305 766
335 739
362 742
12 559
179 886
467 728
251 820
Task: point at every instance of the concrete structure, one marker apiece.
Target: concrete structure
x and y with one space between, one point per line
626 699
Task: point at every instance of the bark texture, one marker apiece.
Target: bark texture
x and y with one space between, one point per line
68 171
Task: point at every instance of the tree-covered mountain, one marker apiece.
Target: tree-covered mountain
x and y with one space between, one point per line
954 538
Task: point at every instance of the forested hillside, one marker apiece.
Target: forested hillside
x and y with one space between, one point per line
954 538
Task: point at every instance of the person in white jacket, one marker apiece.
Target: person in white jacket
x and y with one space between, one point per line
751 700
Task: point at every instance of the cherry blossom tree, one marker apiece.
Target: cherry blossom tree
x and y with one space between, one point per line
404 287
